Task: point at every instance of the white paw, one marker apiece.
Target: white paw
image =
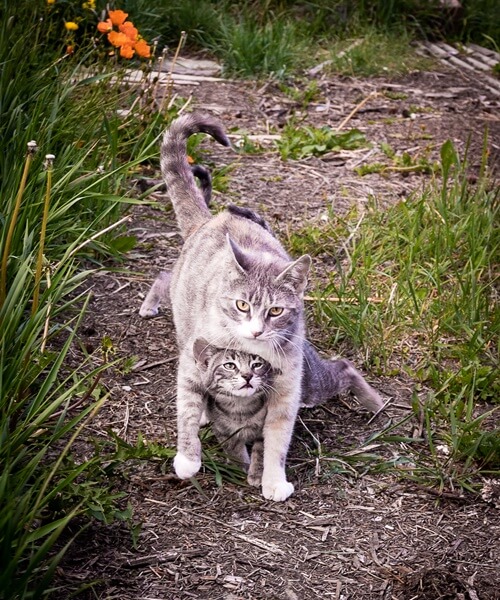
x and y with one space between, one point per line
147 312
277 491
184 467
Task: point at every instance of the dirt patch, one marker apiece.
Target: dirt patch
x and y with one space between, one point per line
342 534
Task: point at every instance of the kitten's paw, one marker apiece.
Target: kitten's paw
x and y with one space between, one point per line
184 467
277 491
254 479
147 312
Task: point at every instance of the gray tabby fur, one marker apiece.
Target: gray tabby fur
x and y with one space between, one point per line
321 379
228 261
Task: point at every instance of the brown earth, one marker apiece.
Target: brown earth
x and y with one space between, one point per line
344 534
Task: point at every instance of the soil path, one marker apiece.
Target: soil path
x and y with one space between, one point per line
342 534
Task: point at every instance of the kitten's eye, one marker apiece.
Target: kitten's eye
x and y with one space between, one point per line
257 365
242 306
229 366
275 311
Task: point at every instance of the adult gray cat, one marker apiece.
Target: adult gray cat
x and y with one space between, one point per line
236 391
235 286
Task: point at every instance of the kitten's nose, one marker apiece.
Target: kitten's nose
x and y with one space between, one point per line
257 333
247 377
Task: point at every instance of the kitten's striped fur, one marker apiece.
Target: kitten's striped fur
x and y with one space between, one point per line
237 388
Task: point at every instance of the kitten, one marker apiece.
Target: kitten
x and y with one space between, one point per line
237 388
235 286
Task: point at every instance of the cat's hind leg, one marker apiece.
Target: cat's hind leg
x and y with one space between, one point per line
236 449
158 293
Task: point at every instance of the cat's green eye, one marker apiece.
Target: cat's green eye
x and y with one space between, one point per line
229 366
275 311
257 365
243 306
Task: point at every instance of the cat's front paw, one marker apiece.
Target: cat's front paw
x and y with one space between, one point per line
185 468
277 491
148 312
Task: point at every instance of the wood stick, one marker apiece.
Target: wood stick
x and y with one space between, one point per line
355 110
374 300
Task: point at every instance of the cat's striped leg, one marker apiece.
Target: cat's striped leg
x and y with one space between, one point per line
278 429
237 450
187 461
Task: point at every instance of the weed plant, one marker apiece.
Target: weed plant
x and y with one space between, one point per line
415 288
299 142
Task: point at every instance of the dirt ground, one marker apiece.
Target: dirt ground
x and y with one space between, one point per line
341 535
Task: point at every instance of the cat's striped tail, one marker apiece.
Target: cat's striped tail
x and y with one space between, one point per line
190 207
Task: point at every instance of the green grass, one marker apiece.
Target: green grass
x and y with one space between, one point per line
416 290
261 38
55 222
374 52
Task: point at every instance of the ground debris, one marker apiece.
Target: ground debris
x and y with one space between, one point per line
341 535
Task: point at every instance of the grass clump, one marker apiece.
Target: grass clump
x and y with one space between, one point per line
56 212
415 288
373 52
401 163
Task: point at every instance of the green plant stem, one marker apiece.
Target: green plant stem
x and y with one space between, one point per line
45 216
13 220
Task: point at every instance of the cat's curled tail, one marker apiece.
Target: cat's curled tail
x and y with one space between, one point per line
189 203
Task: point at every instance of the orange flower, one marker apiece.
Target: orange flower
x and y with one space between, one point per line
105 26
118 39
142 49
129 30
70 49
117 16
126 51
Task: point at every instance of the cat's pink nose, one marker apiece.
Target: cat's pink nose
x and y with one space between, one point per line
257 333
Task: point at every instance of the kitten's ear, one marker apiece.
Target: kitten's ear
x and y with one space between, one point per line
296 273
203 352
242 260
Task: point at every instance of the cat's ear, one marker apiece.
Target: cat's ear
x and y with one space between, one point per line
242 260
203 352
296 273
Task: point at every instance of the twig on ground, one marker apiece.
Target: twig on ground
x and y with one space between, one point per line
355 110
344 300
140 366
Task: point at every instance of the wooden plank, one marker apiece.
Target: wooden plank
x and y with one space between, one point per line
485 51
